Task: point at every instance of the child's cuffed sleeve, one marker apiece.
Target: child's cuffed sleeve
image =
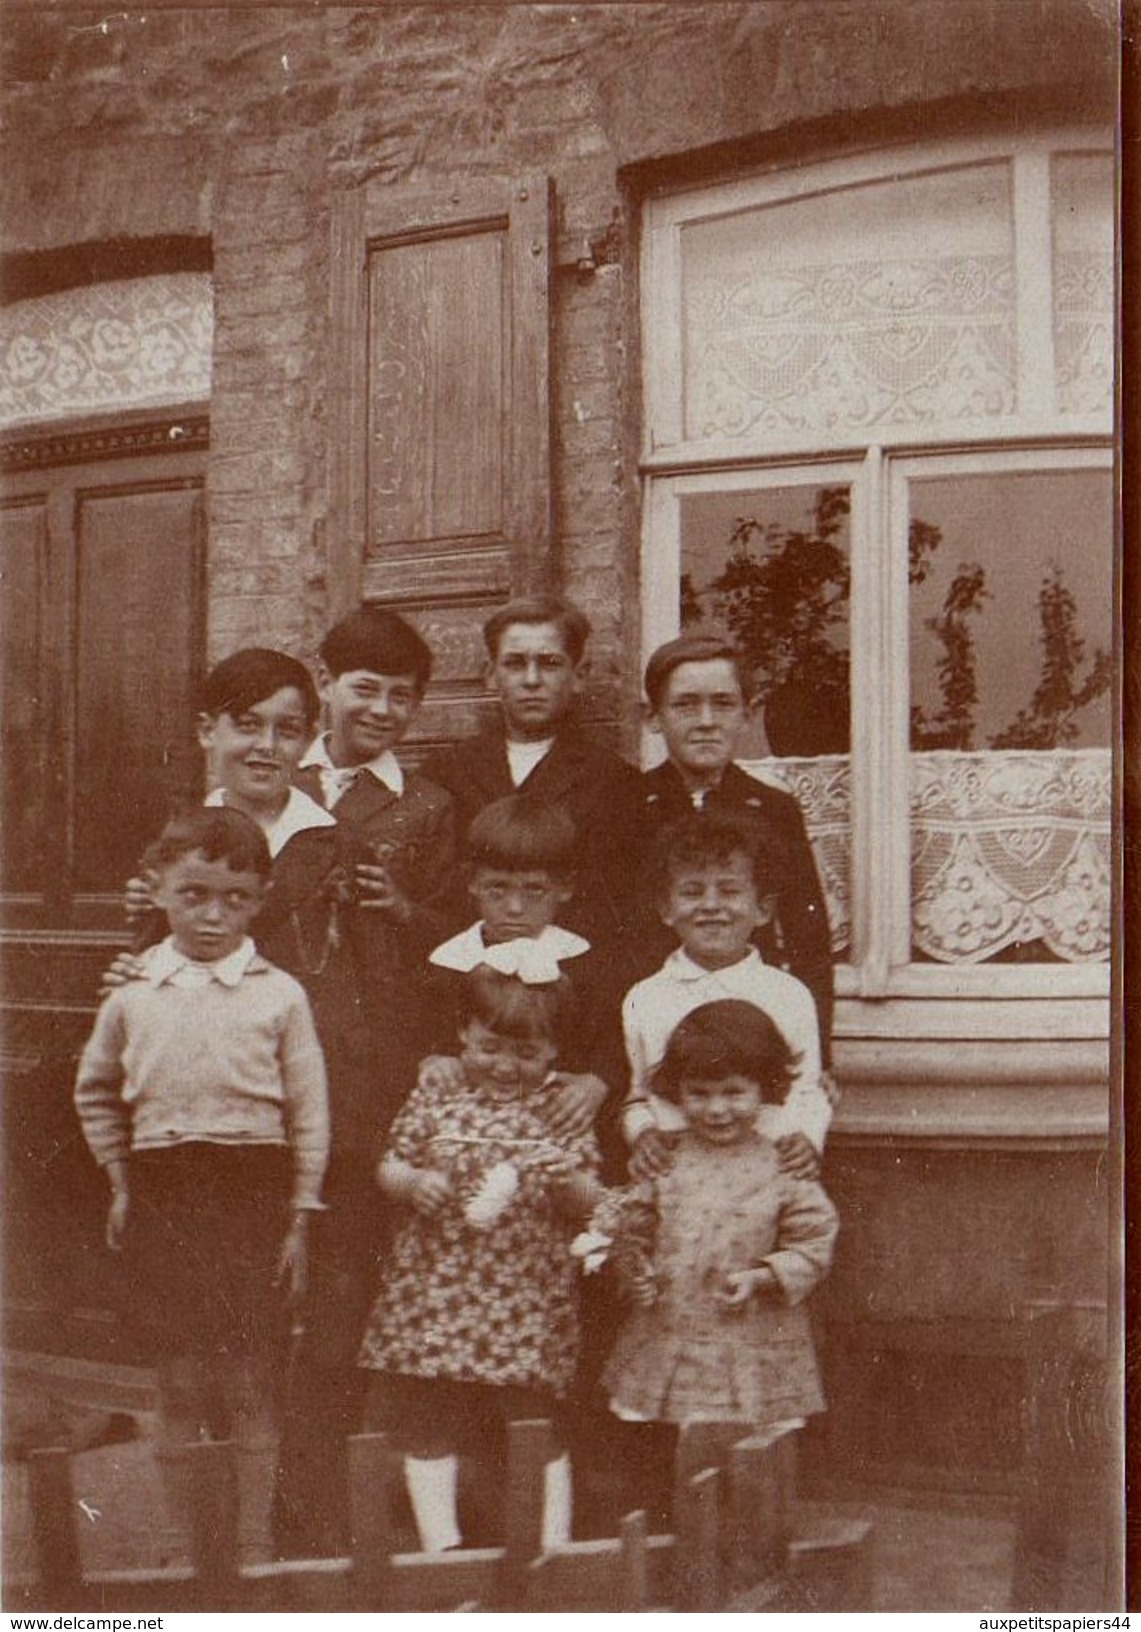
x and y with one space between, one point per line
306 1102
103 1115
806 1236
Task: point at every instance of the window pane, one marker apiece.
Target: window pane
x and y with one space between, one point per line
771 566
1082 210
1010 641
889 304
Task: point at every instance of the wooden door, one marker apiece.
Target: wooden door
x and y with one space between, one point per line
102 619
440 416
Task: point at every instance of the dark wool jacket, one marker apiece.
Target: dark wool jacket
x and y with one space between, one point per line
600 792
798 937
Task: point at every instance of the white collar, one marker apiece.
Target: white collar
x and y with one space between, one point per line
299 814
681 966
385 767
467 951
164 961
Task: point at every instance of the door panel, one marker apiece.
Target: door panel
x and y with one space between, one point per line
137 634
101 649
440 496
25 767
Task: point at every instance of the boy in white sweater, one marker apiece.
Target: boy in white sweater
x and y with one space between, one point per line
202 1093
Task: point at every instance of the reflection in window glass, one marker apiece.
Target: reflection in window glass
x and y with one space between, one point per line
1010 643
771 567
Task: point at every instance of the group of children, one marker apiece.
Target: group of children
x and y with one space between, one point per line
345 1131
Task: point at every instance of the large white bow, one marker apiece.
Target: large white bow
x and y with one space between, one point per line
528 960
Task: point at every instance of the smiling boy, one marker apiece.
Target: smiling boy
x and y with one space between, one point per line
698 703
714 887
372 674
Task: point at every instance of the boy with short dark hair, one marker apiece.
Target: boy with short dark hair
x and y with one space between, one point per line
537 669
373 671
698 701
521 856
201 1092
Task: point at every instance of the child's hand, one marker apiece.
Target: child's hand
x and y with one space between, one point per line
116 1227
574 1108
293 1260
430 1191
798 1156
137 899
742 1284
121 972
653 1154
379 892
441 1074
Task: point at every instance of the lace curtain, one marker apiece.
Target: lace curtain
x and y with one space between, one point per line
132 343
892 304
1007 847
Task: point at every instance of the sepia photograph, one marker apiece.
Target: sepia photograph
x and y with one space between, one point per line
562 693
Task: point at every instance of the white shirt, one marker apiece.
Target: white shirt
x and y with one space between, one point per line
338 779
522 757
299 813
468 949
167 963
655 1006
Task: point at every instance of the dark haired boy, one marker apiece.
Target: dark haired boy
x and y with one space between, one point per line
698 700
521 859
536 667
202 1094
714 884
372 674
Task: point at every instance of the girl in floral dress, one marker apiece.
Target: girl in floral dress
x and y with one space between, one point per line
717 1254
476 1321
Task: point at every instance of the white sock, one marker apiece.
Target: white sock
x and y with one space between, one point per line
432 1483
557 1502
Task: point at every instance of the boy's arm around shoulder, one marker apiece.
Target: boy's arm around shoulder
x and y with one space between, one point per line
806 1237
306 1095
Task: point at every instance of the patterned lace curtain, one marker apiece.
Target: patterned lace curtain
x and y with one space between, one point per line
1008 847
132 343
891 305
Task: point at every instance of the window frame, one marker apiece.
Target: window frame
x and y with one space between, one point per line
879 994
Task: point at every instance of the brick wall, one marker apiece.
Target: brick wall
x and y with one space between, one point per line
239 124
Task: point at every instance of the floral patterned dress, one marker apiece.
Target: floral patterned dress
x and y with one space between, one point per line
684 1357
493 1302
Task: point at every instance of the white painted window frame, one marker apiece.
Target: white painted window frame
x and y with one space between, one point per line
881 992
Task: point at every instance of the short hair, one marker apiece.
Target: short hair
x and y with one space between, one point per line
520 833
709 840
513 1007
729 1038
572 623
219 834
377 639
693 649
250 676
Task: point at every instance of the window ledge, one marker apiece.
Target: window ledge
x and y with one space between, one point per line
1027 1117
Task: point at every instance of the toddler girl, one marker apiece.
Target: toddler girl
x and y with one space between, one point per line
476 1322
718 1253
